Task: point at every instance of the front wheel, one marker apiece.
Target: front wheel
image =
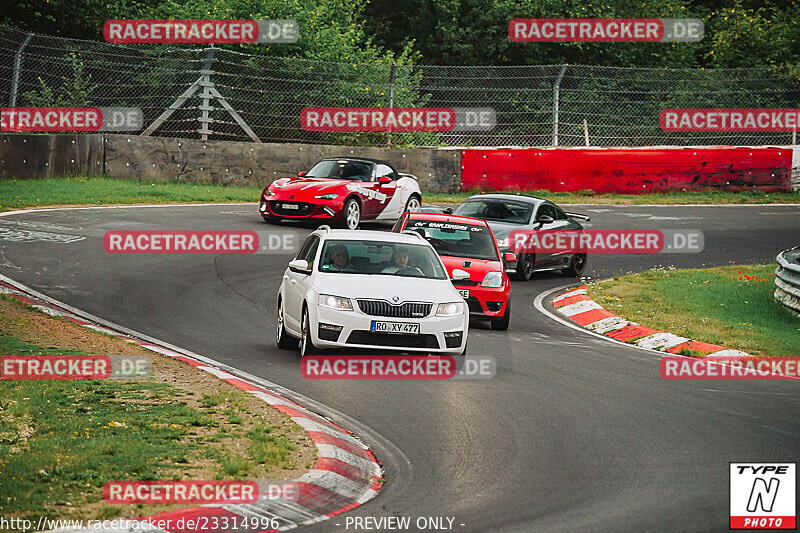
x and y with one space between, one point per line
577 264
351 214
524 267
282 337
501 324
306 344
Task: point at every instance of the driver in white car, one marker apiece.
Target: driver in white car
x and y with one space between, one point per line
400 261
340 258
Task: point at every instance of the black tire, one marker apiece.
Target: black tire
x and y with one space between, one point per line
577 264
282 337
351 215
501 324
414 202
524 270
306 345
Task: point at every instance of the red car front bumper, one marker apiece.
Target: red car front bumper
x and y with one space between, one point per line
485 302
304 210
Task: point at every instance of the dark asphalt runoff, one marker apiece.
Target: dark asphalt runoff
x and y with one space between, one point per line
575 433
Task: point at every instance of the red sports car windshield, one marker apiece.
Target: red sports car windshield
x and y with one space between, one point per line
342 170
457 240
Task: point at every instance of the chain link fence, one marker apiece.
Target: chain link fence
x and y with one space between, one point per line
260 97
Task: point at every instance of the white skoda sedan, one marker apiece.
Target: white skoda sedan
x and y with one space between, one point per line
370 289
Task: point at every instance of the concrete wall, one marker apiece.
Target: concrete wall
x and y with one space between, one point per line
223 162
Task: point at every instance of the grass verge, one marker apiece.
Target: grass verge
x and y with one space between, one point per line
62 440
19 193
731 306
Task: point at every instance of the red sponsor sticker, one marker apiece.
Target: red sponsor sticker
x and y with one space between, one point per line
51 119
729 120
180 242
378 367
378 119
586 30
180 31
55 367
181 492
729 367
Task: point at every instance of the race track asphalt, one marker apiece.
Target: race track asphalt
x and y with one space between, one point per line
574 433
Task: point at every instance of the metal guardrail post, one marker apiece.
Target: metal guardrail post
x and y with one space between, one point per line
392 76
15 74
556 89
787 279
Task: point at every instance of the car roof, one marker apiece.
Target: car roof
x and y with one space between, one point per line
351 158
447 218
511 197
372 235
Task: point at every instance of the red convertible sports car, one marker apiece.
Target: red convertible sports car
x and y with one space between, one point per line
343 192
468 244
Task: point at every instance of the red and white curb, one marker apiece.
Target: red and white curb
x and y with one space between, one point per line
344 476
577 306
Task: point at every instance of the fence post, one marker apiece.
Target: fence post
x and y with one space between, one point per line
556 89
205 96
15 74
392 76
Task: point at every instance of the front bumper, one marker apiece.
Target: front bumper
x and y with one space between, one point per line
325 210
486 302
355 332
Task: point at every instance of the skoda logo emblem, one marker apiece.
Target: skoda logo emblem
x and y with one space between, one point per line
395 299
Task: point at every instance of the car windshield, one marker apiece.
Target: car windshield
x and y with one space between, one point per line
499 210
457 240
342 169
381 258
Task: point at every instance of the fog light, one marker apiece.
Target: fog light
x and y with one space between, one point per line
328 332
494 306
329 211
263 206
452 339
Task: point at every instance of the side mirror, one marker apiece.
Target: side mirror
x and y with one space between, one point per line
448 211
509 257
544 219
383 180
301 173
460 275
300 266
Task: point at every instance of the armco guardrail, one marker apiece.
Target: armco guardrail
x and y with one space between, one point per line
787 278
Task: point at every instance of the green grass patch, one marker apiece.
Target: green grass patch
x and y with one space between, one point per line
667 198
19 193
731 306
62 440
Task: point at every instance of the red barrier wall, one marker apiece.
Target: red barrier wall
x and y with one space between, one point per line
627 170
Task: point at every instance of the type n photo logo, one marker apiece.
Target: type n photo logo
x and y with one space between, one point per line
763 495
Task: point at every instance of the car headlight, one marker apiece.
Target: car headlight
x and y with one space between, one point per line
335 302
450 309
329 196
493 279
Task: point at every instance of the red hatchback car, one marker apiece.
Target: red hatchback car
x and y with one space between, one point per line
468 244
